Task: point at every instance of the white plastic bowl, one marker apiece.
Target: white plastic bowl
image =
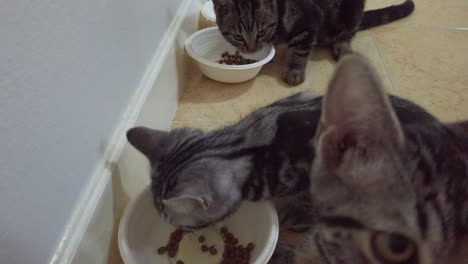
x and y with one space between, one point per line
142 230
206 47
208 11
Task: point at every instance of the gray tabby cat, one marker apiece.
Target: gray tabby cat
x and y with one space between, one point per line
301 24
200 178
389 181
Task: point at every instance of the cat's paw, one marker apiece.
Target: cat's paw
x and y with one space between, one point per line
294 77
339 50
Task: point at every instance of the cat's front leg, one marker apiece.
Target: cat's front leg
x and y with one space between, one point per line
299 48
340 49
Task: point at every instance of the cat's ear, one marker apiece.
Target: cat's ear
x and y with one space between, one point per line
146 140
356 113
186 204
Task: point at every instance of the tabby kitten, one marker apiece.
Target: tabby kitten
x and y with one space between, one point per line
200 178
301 24
389 183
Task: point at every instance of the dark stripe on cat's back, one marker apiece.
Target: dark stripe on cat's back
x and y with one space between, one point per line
247 185
295 129
426 171
431 199
440 213
422 220
318 244
280 30
456 187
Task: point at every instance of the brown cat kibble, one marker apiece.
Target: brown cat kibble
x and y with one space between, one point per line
213 250
172 246
204 248
201 239
162 250
235 59
233 252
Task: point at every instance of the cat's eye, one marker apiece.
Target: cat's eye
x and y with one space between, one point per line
261 33
238 37
393 248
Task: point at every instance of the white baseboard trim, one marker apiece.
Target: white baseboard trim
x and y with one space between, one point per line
92 192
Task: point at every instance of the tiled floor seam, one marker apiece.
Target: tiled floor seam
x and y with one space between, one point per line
382 59
424 27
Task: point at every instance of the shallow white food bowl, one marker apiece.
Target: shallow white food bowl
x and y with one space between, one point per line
206 47
208 11
142 231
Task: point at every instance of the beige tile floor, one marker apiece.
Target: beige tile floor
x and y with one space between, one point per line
423 58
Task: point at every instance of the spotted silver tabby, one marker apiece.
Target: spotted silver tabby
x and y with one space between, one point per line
301 24
389 182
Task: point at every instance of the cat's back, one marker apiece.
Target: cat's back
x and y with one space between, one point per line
269 117
441 154
420 125
263 126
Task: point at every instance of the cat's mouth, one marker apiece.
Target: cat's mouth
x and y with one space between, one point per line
251 49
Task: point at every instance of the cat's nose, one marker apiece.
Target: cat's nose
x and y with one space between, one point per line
251 47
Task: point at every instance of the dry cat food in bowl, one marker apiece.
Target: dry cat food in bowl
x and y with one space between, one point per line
235 59
230 249
206 48
249 236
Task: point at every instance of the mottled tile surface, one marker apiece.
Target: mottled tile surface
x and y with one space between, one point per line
428 66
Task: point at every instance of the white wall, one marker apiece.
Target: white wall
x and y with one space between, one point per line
67 71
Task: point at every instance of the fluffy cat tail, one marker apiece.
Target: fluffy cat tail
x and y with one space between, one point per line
373 18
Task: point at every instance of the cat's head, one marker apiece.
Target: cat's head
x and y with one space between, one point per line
388 190
193 186
246 24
